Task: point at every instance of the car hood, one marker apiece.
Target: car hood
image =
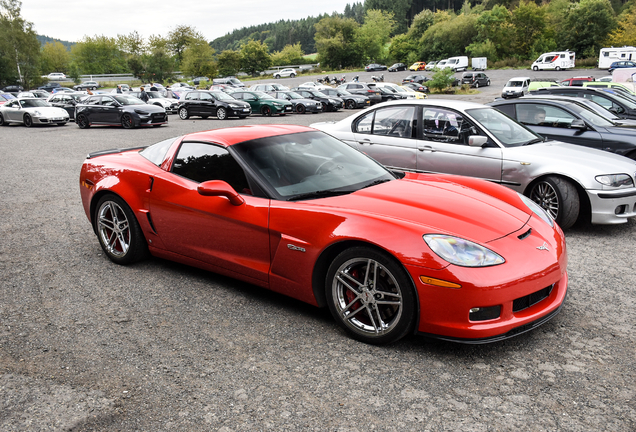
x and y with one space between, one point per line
47 111
572 159
438 204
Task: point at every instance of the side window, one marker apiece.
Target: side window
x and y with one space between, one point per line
364 124
447 126
547 115
206 97
604 102
202 162
192 96
394 122
238 96
108 101
530 114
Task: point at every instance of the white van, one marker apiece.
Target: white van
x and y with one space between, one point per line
558 60
516 87
441 64
457 63
607 56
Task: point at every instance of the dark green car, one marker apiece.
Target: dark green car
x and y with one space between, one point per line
263 103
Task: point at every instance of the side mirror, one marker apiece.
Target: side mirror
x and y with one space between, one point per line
220 188
477 140
578 124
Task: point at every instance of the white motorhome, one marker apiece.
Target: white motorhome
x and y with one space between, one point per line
457 64
607 56
557 60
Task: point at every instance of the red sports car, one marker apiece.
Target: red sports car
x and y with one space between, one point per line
299 212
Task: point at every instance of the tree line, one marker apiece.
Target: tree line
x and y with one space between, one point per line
377 30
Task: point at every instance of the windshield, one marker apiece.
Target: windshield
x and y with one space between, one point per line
514 84
506 130
292 95
591 116
626 101
128 100
310 165
33 103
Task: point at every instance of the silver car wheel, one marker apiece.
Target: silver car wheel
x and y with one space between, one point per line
113 228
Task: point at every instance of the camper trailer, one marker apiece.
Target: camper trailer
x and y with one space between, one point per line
607 56
558 60
479 63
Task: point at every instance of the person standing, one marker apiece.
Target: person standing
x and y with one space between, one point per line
119 88
143 95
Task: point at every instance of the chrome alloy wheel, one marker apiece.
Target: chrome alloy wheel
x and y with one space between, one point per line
114 229
546 196
367 297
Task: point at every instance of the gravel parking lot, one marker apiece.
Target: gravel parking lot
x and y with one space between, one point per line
89 345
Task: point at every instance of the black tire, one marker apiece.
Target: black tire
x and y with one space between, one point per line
349 286
350 104
300 109
557 68
82 121
28 121
488 82
292 75
93 88
266 111
2 123
183 113
558 197
118 231
127 121
477 84
221 113
277 76
536 68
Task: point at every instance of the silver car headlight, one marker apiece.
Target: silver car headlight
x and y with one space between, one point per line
233 105
37 113
537 209
462 252
615 180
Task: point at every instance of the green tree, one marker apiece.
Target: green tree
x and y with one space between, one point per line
55 58
448 37
337 44
19 46
289 55
442 79
494 28
625 32
403 49
98 55
398 9
589 23
375 33
529 23
198 60
229 63
255 57
180 38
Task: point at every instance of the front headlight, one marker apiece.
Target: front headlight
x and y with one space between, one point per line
37 113
615 180
462 252
537 209
233 105
277 104
141 112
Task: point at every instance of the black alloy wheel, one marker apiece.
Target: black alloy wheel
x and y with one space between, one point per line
28 121
127 121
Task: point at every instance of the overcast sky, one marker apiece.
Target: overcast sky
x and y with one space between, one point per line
71 20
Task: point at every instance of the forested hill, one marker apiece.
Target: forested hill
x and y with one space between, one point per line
45 39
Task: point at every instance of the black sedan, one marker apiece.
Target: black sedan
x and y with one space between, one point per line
397 67
49 87
374 67
206 103
416 79
351 100
300 104
68 101
570 122
388 94
118 110
417 87
329 103
362 89
621 106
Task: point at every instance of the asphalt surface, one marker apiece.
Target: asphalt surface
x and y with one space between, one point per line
89 345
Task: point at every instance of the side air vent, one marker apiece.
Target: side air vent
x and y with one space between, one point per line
525 234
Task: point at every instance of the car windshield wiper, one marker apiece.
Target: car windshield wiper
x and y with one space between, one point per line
534 141
376 182
318 194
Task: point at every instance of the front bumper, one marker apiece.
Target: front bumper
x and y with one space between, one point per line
50 120
240 111
612 207
152 119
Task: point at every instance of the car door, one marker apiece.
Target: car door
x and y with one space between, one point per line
554 122
210 228
443 147
110 110
207 104
388 136
12 111
194 106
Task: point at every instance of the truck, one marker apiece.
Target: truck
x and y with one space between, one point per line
479 63
607 56
557 60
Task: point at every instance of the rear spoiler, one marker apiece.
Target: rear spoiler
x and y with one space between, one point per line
112 151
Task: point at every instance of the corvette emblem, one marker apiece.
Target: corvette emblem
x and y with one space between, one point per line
296 248
544 247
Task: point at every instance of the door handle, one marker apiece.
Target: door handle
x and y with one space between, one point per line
365 141
426 149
